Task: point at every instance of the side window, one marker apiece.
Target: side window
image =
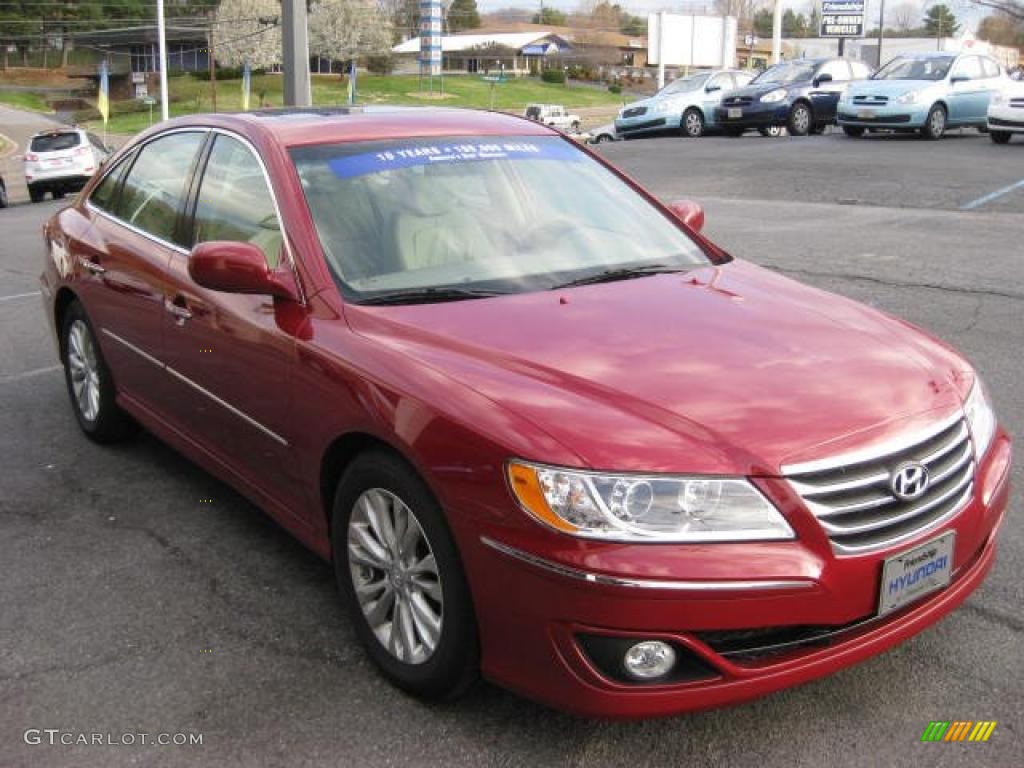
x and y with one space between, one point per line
743 78
969 67
839 70
990 68
155 185
722 81
860 70
234 202
103 197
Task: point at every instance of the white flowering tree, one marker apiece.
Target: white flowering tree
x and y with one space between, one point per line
249 31
342 30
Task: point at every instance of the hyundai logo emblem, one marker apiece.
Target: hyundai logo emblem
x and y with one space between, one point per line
910 481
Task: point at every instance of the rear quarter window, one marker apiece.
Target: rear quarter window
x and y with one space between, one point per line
55 142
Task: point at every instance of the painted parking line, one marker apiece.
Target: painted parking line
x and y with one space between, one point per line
991 196
19 296
11 377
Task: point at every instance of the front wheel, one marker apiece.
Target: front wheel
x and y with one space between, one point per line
999 137
771 131
853 131
693 123
400 574
935 124
90 385
800 120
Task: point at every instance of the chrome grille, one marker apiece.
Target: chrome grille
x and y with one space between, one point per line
870 100
853 500
1018 103
740 101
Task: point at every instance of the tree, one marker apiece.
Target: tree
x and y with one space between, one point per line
794 24
1002 29
463 15
904 15
1012 8
342 30
940 21
634 26
762 23
248 32
549 16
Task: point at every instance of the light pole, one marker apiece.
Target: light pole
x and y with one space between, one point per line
162 35
881 30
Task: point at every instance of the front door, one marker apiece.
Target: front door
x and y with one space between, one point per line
969 98
231 355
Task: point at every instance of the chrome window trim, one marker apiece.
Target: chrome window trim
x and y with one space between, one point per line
136 230
186 380
616 581
884 448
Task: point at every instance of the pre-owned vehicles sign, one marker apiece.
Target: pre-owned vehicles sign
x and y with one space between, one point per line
842 18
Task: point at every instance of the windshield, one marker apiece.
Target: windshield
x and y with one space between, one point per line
907 68
54 142
502 214
685 85
787 72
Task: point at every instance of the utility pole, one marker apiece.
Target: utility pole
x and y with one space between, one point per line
661 50
295 59
881 30
162 33
777 32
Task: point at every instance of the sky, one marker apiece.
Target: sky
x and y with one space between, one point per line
967 13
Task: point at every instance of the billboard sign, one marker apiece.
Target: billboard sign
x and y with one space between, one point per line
842 18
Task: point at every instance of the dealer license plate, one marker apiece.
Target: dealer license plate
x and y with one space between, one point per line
735 113
916 573
865 114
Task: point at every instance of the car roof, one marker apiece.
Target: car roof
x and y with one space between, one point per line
300 126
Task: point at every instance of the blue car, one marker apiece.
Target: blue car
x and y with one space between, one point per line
923 92
800 94
686 104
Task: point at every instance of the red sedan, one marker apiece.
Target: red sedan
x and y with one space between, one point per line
545 431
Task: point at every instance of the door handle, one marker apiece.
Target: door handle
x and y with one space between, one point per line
178 308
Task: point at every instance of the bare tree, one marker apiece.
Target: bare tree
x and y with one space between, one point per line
251 33
1012 8
905 16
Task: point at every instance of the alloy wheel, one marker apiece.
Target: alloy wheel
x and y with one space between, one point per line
937 122
694 124
395 576
84 370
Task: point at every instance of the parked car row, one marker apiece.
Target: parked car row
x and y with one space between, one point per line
927 93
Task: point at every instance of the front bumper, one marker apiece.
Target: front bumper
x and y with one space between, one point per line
532 615
1006 118
895 116
755 115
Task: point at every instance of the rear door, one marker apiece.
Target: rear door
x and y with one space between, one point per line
124 256
231 355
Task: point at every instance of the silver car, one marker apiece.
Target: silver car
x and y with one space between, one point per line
687 104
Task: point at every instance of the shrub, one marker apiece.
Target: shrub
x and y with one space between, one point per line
383 64
615 88
553 76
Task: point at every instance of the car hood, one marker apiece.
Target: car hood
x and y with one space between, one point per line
730 369
889 88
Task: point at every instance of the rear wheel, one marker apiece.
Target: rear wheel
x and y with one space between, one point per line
36 194
3 196
800 120
399 572
693 123
935 124
89 382
853 131
999 137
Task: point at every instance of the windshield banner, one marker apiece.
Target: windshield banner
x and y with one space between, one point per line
459 151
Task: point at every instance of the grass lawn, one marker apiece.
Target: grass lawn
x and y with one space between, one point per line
189 95
24 100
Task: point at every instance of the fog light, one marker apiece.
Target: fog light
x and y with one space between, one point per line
649 659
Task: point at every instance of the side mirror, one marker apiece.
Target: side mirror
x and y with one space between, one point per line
824 77
232 267
958 79
688 212
712 88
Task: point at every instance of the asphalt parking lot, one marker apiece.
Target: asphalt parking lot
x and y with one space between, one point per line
141 595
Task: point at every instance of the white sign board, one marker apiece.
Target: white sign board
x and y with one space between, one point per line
692 41
842 18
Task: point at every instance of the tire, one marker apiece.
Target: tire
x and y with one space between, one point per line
1000 137
603 138
771 131
575 127
36 194
692 124
801 120
4 202
380 483
90 385
853 131
58 194
935 124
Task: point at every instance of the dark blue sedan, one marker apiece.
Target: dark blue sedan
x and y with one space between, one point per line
800 94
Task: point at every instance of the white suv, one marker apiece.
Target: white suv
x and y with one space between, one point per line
61 161
554 115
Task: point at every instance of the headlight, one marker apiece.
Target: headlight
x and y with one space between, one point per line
910 97
646 508
980 417
774 96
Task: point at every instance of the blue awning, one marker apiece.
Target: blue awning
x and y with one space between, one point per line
534 50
